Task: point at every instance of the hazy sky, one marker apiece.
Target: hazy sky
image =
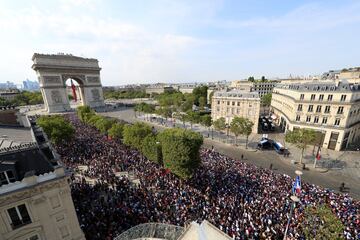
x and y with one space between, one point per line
182 41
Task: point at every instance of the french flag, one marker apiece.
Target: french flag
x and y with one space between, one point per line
297 185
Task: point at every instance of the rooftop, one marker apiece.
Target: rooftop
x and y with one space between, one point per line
236 94
332 86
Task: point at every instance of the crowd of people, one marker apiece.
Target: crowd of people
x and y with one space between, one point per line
244 201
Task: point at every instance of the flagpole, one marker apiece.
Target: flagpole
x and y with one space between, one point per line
294 200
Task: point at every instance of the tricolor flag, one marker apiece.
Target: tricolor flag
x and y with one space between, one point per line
297 185
318 156
73 90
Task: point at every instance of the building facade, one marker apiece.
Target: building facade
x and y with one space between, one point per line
329 107
260 87
236 103
35 197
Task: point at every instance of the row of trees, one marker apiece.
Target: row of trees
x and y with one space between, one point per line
177 149
120 94
24 98
238 126
56 127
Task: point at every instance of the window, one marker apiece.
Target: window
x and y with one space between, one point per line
301 96
316 119
310 109
238 103
312 96
218 102
343 98
324 121
340 110
327 109
19 216
337 122
300 107
308 118
330 97
233 103
35 237
297 118
321 97
228 103
7 177
318 108
217 109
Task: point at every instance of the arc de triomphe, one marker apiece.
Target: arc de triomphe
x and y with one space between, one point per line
54 69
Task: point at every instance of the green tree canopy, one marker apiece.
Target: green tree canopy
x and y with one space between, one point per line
180 150
320 223
205 120
192 117
122 94
199 92
57 128
266 99
84 113
301 138
135 134
251 79
241 125
219 124
151 148
116 131
104 124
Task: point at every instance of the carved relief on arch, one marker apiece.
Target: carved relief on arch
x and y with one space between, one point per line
93 79
51 79
95 94
56 96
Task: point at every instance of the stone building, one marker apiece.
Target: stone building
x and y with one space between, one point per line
260 87
35 197
329 107
236 103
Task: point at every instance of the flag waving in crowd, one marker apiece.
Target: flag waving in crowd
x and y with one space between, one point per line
297 186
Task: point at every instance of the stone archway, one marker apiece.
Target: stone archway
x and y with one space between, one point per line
53 71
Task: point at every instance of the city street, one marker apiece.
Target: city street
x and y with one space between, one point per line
328 179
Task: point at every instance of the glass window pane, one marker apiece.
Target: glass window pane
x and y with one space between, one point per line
24 213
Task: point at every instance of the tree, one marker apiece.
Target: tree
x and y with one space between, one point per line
198 92
266 99
202 102
192 117
263 79
206 121
91 120
236 127
56 128
245 128
188 103
104 124
320 223
151 148
135 134
116 131
301 138
251 79
180 151
219 124
84 113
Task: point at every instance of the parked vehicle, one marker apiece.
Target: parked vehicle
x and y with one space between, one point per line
264 144
279 148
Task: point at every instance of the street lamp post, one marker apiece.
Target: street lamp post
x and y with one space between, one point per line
294 200
212 133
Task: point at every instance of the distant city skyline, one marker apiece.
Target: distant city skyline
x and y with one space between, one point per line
182 41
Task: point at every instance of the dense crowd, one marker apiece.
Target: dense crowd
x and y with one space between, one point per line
244 201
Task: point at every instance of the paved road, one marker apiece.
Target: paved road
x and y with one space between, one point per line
330 179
